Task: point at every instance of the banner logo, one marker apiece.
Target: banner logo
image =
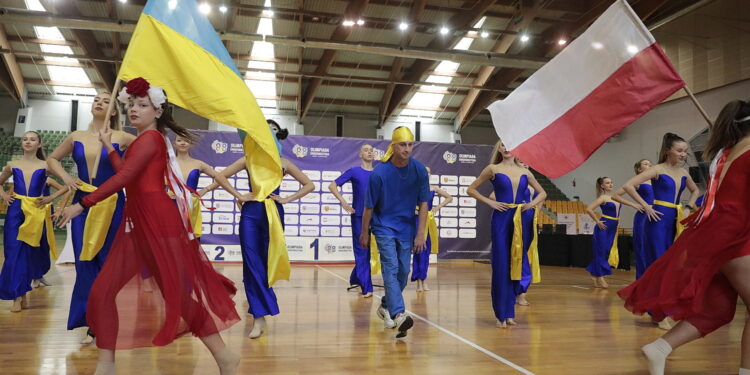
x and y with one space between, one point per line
219 147
450 157
299 151
330 248
378 153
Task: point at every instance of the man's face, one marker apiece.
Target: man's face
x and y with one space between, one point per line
402 150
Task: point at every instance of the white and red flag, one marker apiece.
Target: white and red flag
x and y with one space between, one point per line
604 80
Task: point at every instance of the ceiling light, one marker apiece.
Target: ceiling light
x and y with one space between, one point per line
444 30
123 1
223 9
360 22
632 49
484 34
172 4
403 26
525 38
562 42
268 13
597 45
348 23
204 8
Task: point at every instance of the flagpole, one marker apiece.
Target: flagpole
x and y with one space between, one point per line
698 105
112 102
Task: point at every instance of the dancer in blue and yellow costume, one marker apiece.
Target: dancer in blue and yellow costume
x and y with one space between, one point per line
531 240
510 182
421 261
358 176
191 170
261 227
94 230
605 254
668 181
28 224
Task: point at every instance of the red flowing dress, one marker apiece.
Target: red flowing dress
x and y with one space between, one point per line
685 282
157 284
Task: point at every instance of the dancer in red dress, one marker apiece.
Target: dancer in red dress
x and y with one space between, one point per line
698 279
157 284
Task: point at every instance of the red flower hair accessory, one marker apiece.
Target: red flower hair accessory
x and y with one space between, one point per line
139 87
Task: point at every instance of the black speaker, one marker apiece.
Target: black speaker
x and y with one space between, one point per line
561 228
547 228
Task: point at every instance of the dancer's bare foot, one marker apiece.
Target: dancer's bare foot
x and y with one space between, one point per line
501 324
16 306
596 282
521 300
424 286
24 302
603 283
89 339
259 325
665 324
367 295
510 321
44 282
419 286
35 283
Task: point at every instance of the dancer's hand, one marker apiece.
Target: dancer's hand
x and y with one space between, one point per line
364 239
72 183
68 214
105 136
639 208
601 225
7 198
43 201
653 215
56 215
500 206
419 243
348 208
279 199
527 207
247 197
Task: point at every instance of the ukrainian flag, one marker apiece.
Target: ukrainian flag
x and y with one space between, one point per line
176 48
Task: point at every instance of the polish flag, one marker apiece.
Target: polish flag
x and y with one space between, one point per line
603 81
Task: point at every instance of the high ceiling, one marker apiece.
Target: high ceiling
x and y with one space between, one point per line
440 59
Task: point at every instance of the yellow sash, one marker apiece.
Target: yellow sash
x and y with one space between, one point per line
196 218
533 252
374 256
432 232
614 252
516 245
279 267
680 215
35 220
97 224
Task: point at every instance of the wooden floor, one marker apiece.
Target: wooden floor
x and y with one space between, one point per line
570 328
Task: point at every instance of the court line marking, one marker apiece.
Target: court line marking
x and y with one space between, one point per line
449 333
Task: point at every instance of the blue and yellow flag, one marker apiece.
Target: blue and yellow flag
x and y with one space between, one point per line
176 48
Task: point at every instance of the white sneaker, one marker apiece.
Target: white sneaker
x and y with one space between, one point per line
403 323
386 317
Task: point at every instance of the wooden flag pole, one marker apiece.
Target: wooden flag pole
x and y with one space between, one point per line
698 105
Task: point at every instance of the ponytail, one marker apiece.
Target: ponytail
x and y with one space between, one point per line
666 144
599 189
166 121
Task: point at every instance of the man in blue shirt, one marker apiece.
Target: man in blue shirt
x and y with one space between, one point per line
395 188
359 177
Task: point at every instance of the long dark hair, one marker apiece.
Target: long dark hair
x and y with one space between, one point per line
166 121
732 125
666 144
599 189
637 166
282 133
40 151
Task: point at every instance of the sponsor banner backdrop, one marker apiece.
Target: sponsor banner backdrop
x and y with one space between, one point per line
316 227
